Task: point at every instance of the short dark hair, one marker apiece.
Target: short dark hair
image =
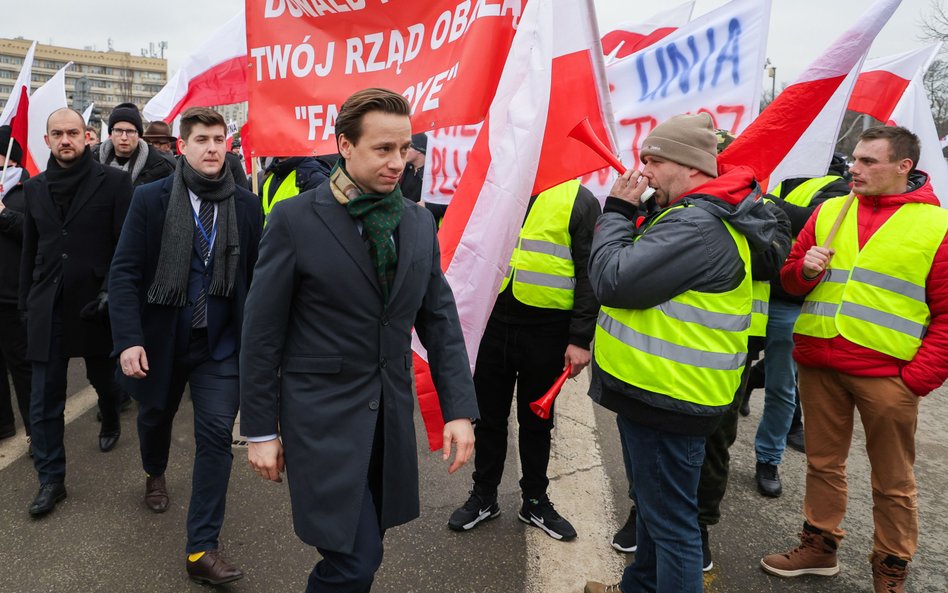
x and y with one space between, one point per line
200 115
903 144
92 129
60 110
349 120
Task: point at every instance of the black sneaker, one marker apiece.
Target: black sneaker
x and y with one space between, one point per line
624 539
478 508
541 513
706 562
768 480
795 439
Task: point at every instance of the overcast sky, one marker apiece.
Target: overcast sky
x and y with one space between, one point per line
799 29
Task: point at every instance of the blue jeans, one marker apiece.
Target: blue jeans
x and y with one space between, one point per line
665 468
780 384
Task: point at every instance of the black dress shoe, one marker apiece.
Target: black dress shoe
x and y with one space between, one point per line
108 440
156 493
768 480
795 439
47 497
212 569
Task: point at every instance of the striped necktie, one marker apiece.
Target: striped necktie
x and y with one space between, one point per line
206 216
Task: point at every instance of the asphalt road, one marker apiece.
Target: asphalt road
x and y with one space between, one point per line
103 538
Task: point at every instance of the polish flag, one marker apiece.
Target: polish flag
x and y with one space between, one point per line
215 74
246 148
629 38
795 135
44 101
88 113
910 108
16 111
554 77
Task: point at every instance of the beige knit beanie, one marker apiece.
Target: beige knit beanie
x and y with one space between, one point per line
688 140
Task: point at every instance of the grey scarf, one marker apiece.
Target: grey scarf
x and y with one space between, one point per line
107 157
170 286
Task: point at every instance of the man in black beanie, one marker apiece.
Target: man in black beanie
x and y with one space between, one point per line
178 283
73 216
12 328
125 148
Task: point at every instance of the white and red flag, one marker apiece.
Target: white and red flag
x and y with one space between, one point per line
629 38
795 135
44 101
891 89
215 74
553 78
16 111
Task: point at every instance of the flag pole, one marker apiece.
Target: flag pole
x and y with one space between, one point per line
839 220
6 161
254 170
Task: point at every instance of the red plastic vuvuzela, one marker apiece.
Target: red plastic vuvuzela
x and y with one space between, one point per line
541 407
583 132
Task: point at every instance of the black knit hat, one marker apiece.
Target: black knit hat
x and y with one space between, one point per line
126 112
16 153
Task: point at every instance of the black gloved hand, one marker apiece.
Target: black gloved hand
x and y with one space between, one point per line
97 309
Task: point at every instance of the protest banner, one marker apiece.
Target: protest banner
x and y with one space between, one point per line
445 161
307 56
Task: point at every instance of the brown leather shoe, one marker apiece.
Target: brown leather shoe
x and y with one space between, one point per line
815 555
212 569
888 573
156 493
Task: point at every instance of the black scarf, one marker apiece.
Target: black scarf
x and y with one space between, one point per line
63 182
170 286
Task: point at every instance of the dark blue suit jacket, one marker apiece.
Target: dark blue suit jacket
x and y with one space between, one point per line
163 330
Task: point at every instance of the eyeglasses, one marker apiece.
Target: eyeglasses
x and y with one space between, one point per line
124 132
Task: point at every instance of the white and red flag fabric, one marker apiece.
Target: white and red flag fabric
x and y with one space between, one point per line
891 89
553 78
88 112
215 74
16 111
628 38
795 135
43 102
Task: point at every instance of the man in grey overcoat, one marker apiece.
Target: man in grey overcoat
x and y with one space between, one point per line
344 273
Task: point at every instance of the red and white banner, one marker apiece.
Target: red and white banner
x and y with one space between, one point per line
445 161
714 65
798 119
16 111
553 78
445 57
43 102
629 38
215 74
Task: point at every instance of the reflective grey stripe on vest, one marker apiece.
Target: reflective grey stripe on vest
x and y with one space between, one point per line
880 280
665 349
883 319
762 307
819 308
548 280
709 319
546 248
835 275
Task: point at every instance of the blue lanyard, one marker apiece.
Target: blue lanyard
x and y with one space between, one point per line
209 240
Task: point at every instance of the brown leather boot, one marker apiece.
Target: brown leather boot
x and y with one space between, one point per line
156 493
815 555
888 573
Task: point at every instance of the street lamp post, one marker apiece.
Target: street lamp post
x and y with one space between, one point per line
772 73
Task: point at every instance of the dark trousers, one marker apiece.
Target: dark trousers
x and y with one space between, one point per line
48 403
13 351
215 396
530 357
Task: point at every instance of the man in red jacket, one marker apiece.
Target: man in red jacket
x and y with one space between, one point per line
872 337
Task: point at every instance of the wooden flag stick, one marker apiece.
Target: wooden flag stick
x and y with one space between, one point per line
6 161
254 170
839 220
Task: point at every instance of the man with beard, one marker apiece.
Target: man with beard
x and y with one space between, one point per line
126 150
179 280
74 214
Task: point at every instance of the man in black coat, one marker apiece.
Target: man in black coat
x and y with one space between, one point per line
345 271
125 148
178 284
12 329
74 214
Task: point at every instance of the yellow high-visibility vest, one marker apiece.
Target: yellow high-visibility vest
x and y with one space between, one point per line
691 348
541 267
286 190
875 296
804 193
